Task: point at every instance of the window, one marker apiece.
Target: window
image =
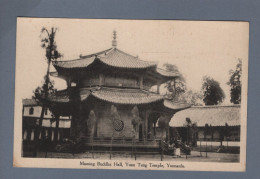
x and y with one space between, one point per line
31 111
118 125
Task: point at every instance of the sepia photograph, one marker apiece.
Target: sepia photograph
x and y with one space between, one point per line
131 94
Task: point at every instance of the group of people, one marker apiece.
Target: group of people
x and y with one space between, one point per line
175 148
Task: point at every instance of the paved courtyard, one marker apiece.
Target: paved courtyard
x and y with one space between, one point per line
195 156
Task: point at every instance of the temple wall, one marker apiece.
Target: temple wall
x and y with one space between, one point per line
93 81
105 127
121 81
36 112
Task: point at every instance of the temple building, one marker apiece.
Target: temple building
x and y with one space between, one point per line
214 125
31 117
109 96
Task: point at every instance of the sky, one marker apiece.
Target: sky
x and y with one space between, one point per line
198 48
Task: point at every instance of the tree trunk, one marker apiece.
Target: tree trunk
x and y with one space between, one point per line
39 127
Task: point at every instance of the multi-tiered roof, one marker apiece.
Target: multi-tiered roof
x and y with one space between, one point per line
114 60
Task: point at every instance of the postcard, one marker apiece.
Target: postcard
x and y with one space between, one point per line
131 94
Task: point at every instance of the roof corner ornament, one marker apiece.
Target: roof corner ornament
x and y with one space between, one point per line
114 42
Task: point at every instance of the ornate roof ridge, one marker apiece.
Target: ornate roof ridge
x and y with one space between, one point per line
118 59
85 56
136 57
97 54
164 70
167 73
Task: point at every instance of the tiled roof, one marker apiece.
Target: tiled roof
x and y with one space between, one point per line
126 96
60 96
167 73
211 115
110 57
176 106
95 54
113 95
118 58
119 96
30 102
63 96
78 63
82 62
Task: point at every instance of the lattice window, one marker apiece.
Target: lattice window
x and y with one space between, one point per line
118 125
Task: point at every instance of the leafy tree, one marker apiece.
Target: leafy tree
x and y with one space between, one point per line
39 96
51 53
213 93
235 83
39 92
193 98
192 130
177 86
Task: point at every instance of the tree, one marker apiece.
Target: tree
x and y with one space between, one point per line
190 97
39 96
51 53
235 83
192 130
176 86
213 93
39 92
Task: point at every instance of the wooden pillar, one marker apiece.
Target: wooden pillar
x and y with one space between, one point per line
25 135
147 112
154 130
101 79
32 135
141 81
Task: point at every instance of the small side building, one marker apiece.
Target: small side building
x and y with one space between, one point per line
214 125
31 117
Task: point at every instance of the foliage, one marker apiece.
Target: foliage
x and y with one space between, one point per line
192 130
176 86
190 97
213 93
235 83
48 43
39 92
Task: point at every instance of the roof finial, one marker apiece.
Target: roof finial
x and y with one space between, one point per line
114 42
